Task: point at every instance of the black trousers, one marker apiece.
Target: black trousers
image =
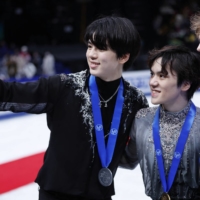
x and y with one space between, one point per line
46 195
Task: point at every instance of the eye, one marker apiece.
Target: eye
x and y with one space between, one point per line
101 50
162 75
89 46
151 74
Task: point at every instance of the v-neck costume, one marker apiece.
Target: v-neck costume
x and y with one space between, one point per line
141 150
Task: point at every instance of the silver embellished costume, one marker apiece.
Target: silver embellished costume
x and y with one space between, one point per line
141 150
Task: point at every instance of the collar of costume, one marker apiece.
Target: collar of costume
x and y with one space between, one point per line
170 114
105 153
106 89
167 183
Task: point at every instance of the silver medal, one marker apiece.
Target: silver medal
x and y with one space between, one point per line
105 177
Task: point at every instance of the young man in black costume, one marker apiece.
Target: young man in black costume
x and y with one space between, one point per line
89 114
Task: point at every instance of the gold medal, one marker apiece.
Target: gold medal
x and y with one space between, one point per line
165 196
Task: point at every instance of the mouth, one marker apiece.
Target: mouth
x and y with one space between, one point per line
94 65
154 93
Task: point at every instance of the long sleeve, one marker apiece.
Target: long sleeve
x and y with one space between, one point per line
32 97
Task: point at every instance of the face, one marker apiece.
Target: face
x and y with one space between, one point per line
164 89
104 63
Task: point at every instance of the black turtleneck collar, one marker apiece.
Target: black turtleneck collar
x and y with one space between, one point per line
106 89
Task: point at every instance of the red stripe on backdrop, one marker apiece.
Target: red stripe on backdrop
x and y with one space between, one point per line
19 172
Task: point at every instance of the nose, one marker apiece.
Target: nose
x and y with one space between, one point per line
153 81
198 48
92 53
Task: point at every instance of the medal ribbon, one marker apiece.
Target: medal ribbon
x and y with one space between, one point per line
179 146
105 154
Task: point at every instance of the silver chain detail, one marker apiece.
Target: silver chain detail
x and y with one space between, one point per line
106 101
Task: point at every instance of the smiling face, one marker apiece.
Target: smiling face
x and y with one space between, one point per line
104 63
164 89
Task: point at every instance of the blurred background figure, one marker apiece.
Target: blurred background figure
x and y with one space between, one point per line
48 64
11 66
25 67
58 27
37 61
25 54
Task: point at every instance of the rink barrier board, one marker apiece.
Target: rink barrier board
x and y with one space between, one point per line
139 79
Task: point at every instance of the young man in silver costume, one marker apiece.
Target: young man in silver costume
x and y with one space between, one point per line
89 114
165 139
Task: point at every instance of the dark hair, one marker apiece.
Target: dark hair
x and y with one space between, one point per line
117 33
181 60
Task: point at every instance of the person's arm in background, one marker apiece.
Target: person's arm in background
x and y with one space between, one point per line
129 159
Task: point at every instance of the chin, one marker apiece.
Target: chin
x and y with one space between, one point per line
96 74
155 102
93 72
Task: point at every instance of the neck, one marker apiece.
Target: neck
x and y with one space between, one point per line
112 76
107 85
175 107
109 79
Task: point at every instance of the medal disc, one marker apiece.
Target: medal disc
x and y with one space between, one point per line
105 177
165 196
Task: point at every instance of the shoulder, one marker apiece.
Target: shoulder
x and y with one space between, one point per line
145 112
196 124
75 79
198 113
73 76
134 93
198 109
132 89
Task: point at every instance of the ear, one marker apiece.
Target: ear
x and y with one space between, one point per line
185 86
124 58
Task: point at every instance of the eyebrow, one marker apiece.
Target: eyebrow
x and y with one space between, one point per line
158 72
